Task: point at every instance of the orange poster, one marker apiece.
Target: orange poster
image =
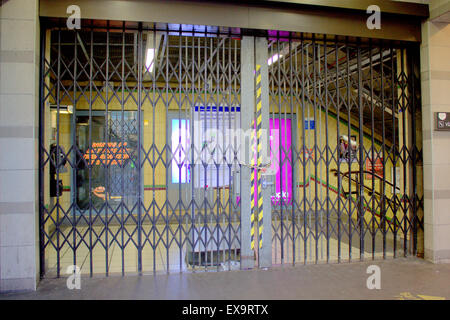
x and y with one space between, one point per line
376 167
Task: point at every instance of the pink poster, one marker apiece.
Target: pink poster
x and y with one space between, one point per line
281 161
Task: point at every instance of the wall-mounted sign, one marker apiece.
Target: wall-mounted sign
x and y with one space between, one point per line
374 164
309 153
310 124
397 180
113 153
442 121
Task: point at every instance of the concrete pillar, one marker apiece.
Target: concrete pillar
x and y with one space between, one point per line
247 111
19 88
435 78
261 57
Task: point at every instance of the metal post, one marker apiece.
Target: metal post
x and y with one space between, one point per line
43 43
360 185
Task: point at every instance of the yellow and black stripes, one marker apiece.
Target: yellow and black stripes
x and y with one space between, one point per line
256 151
259 153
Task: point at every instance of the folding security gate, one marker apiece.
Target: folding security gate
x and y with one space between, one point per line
146 148
140 184
351 179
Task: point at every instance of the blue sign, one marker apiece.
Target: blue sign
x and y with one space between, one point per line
309 124
217 109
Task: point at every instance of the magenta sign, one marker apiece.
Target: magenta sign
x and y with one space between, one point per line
281 158
281 161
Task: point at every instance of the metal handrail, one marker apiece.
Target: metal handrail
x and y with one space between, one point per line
346 175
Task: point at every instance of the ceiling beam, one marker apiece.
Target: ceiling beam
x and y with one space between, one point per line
386 6
323 19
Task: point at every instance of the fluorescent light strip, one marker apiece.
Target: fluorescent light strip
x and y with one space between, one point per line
274 58
150 59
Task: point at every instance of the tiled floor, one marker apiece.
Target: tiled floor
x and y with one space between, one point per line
162 258
316 247
171 258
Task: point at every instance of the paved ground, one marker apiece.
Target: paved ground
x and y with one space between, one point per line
403 278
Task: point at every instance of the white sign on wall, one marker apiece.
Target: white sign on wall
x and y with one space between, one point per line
213 144
397 180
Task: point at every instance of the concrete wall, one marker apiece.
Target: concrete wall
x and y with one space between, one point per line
435 76
19 48
439 8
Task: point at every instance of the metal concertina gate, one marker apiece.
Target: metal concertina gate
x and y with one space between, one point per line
147 164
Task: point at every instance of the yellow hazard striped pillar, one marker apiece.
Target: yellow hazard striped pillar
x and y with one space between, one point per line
259 153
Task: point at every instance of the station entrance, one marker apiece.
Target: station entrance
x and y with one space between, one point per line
176 148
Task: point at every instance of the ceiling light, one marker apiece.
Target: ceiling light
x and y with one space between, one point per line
63 109
151 51
274 58
149 60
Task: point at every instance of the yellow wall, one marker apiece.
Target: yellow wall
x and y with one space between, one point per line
159 173
321 169
156 177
